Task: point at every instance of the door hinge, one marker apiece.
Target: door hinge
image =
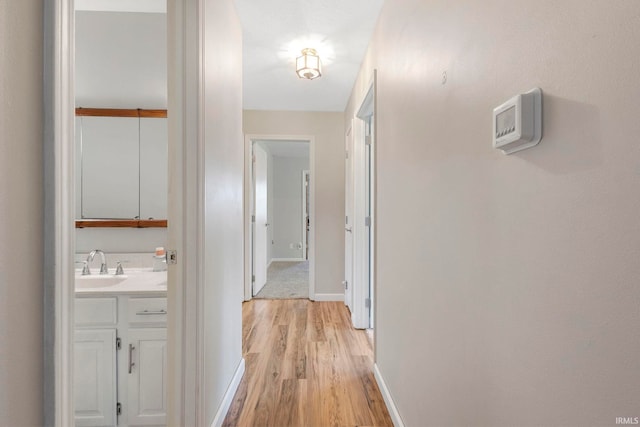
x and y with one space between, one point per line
367 140
346 284
172 257
253 278
118 343
346 220
346 154
253 218
367 221
367 302
118 408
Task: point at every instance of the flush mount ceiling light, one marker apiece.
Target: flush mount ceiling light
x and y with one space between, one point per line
308 64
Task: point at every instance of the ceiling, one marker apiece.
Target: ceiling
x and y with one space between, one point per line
274 33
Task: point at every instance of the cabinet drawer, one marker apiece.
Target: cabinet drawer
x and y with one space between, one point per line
147 310
96 311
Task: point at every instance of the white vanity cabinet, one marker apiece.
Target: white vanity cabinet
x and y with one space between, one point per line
120 365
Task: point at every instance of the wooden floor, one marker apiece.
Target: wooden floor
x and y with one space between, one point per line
305 366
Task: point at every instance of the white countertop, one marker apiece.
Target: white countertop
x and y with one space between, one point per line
134 281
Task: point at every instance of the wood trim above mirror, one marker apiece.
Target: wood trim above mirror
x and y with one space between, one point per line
121 223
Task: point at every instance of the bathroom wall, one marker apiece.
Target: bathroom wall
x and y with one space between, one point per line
119 239
121 60
21 213
507 286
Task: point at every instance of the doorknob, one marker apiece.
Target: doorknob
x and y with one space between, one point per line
266 224
347 229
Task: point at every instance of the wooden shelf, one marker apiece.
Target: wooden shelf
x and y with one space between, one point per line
120 112
121 223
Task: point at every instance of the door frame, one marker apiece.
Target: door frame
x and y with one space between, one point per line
363 317
185 402
59 213
349 217
249 139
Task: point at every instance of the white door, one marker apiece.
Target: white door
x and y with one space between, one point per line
368 193
94 373
305 214
348 222
147 377
260 225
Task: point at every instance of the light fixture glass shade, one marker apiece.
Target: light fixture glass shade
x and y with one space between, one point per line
308 64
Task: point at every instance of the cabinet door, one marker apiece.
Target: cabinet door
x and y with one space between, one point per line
110 161
95 377
153 168
147 383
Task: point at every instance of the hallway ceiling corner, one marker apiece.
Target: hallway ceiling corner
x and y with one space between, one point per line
275 32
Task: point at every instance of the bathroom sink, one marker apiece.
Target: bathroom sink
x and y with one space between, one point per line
99 280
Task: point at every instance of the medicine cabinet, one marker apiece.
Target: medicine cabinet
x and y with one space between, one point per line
121 167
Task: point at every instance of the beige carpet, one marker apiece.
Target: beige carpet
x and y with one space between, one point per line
286 279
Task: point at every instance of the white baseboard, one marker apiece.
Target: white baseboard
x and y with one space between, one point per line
328 297
391 406
228 396
288 259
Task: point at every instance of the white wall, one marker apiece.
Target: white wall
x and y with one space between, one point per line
120 239
121 62
328 130
287 197
21 213
224 165
507 285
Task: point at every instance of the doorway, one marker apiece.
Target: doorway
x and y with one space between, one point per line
279 211
189 398
121 172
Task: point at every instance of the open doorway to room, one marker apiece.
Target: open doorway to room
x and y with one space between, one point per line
281 197
119 371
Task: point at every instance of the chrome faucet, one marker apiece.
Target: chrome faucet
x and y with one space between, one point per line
103 266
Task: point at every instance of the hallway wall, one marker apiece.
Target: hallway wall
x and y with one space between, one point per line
507 285
21 213
223 222
328 130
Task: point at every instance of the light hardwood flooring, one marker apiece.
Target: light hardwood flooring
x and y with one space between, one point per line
305 366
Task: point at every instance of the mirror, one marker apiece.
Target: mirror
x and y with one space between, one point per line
121 167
